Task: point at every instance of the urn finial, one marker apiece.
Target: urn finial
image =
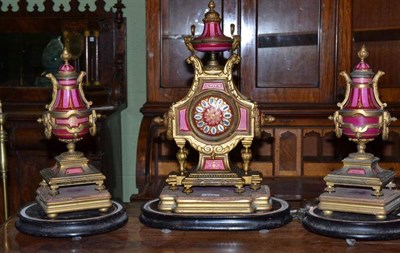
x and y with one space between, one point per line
212 15
363 53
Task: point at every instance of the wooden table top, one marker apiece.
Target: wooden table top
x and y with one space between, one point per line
135 237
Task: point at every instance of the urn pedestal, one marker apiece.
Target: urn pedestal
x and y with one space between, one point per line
71 199
69 118
360 199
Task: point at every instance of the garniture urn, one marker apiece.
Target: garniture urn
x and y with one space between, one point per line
69 116
361 118
212 40
72 184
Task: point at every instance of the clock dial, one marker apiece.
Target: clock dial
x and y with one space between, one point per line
212 115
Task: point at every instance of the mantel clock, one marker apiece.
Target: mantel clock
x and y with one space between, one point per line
213 118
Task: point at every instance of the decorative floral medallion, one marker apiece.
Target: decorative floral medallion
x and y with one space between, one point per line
212 115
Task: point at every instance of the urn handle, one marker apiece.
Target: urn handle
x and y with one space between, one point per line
92 120
338 120
188 39
46 121
387 119
348 87
375 88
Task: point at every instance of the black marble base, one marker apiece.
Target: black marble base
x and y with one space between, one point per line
352 225
277 217
34 221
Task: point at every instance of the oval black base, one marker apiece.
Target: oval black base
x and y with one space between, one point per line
33 220
353 226
279 216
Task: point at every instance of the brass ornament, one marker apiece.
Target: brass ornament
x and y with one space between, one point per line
213 118
361 118
3 161
72 184
211 146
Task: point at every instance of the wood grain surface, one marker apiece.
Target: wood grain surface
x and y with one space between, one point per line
135 237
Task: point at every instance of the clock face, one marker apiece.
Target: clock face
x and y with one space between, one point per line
213 116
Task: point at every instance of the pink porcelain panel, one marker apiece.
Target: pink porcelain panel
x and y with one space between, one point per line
66 95
362 98
356 171
213 86
217 164
77 100
361 80
69 100
66 68
67 82
72 121
73 171
360 121
212 47
212 39
243 123
65 134
183 124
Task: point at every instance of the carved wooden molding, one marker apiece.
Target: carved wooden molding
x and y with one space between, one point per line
49 8
72 12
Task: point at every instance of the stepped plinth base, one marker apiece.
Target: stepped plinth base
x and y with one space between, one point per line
356 200
73 198
71 171
279 215
360 170
34 221
215 200
353 226
235 178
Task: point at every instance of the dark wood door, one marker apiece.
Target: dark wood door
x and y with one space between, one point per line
288 50
376 24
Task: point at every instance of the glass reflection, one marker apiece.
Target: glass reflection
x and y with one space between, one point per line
25 57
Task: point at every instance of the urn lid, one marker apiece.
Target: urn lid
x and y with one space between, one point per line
211 15
362 72
212 38
66 71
